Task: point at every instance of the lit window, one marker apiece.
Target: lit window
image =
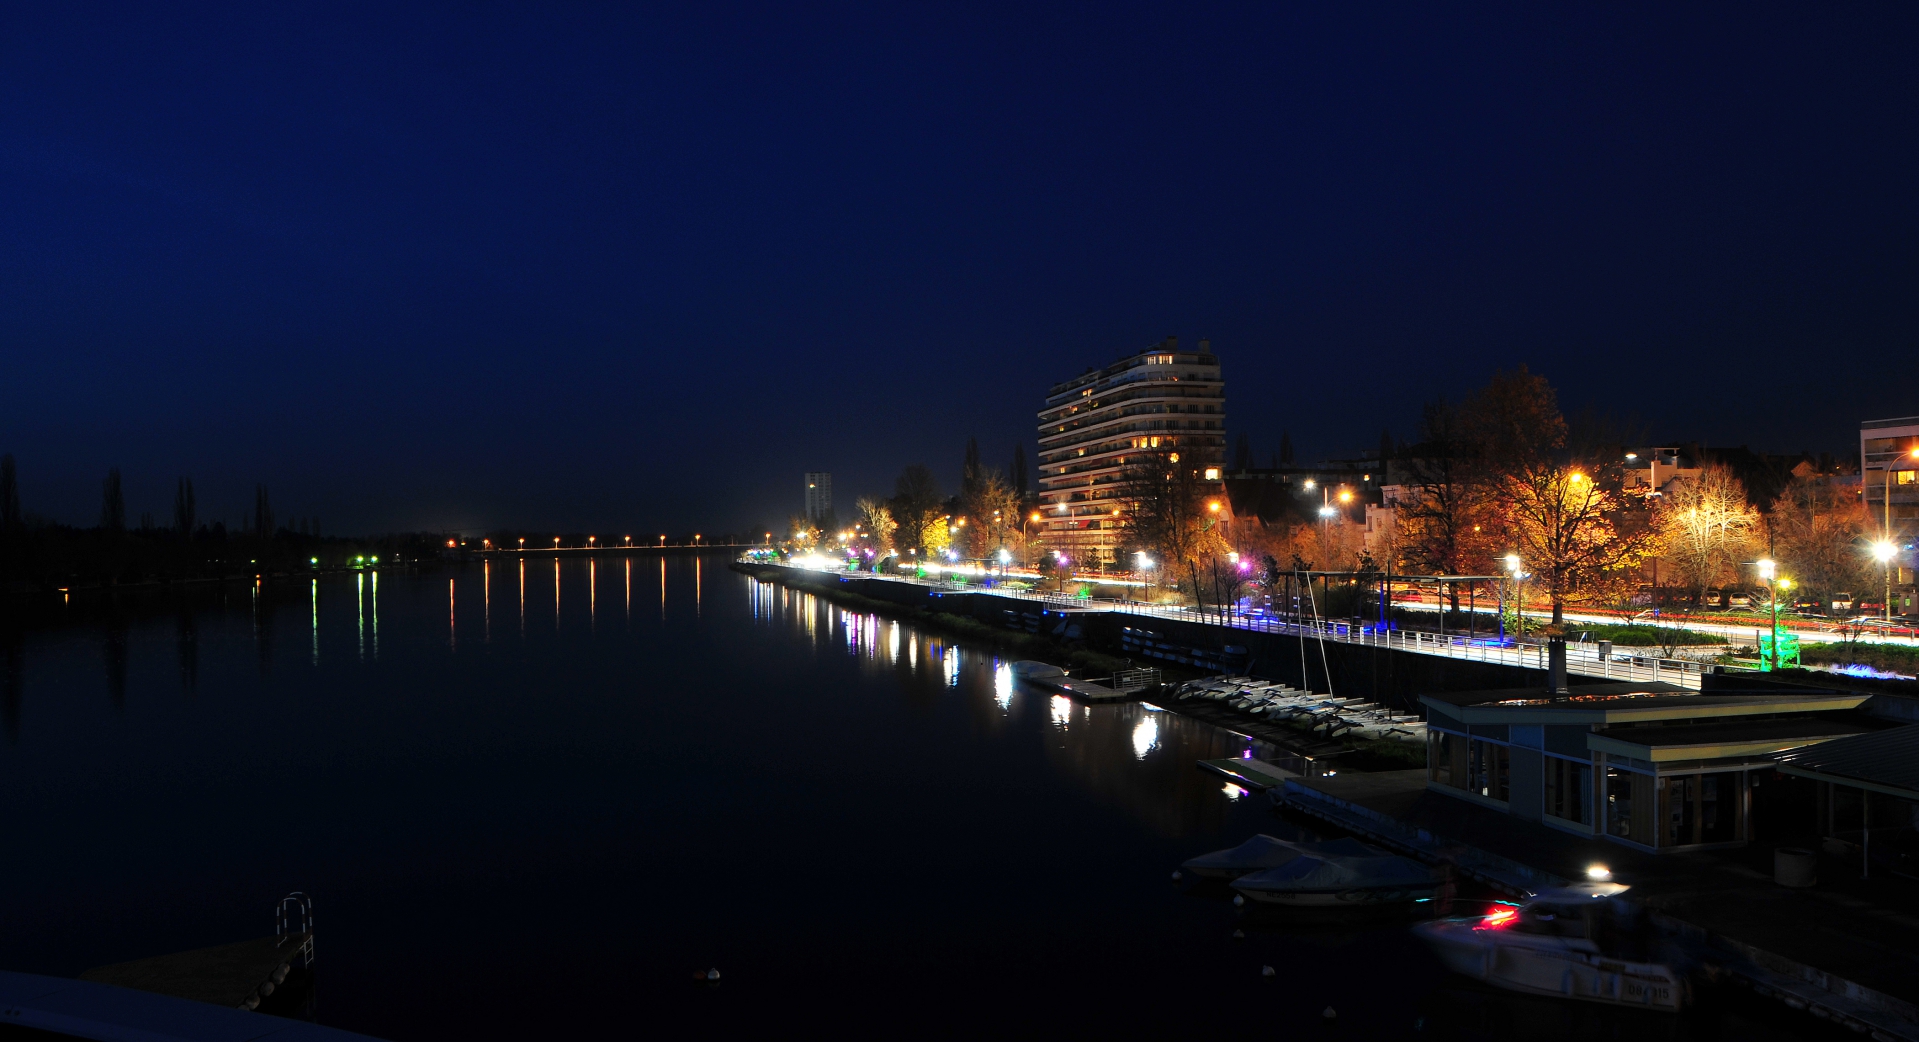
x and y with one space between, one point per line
1212 473
1905 477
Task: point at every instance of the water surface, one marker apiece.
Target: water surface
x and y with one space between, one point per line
535 798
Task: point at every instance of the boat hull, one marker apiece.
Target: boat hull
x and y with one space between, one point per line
1329 900
1549 967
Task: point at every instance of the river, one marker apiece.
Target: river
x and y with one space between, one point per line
534 798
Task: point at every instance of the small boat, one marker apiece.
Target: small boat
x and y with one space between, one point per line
1027 669
1349 878
1556 944
1260 852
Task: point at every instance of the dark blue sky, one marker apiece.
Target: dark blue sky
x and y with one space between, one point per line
625 270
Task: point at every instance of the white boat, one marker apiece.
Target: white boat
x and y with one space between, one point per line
1554 944
1027 669
1348 877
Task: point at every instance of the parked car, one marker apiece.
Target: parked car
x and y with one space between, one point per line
1842 602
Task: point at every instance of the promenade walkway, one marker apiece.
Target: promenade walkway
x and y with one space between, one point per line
1581 659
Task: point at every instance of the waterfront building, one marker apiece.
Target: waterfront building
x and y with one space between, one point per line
1649 766
1889 479
1158 398
819 495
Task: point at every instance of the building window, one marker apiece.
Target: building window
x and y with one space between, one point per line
1212 473
1700 808
1569 790
1618 802
1488 769
1905 477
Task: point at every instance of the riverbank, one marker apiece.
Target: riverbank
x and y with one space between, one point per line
1083 660
1089 660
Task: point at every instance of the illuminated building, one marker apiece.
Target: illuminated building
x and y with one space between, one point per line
1158 398
819 495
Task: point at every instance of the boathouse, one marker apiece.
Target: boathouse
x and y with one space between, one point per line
1651 766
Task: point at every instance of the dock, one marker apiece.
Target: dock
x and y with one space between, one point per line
238 976
1847 950
1249 773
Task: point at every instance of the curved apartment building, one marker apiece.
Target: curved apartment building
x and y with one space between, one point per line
1161 397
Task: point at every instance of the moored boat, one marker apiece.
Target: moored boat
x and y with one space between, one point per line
1557 943
1344 876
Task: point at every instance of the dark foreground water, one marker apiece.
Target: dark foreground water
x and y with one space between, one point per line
532 800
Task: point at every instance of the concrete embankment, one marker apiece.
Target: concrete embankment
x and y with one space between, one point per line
1382 674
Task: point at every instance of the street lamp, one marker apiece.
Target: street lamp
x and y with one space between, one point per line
1768 570
1885 550
1519 593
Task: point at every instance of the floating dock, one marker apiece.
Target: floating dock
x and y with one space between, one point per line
1249 773
238 976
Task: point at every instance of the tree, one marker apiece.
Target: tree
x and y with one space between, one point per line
877 524
1444 518
1171 520
915 505
1285 449
1706 528
262 513
183 508
990 509
9 494
972 471
1818 535
113 506
1243 453
1561 498
1017 477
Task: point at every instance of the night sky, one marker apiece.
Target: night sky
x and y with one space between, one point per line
627 270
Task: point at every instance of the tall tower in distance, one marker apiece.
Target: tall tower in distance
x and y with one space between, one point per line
819 495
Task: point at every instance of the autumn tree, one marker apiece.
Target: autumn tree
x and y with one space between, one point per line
1819 532
1561 497
1172 519
1706 528
876 525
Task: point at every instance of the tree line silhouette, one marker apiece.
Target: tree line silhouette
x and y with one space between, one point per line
40 554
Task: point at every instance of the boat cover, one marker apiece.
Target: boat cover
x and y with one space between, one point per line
1333 872
1262 851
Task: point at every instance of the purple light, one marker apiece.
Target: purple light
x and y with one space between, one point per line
1247 755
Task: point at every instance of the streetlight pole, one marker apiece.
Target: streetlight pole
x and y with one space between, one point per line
1519 594
1768 571
1885 551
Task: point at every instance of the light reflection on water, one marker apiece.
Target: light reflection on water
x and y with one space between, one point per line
1145 736
579 770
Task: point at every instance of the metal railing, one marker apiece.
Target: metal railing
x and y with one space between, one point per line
1585 660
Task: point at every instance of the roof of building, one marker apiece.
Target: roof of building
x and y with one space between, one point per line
1720 739
1885 761
1625 702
